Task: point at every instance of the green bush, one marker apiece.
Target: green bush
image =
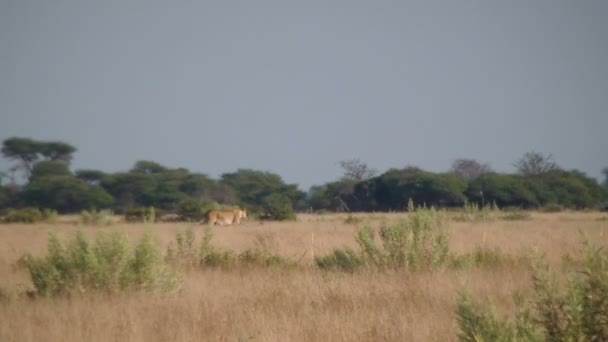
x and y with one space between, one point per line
551 208
110 263
140 214
96 217
190 210
345 260
278 207
30 215
576 312
350 219
418 243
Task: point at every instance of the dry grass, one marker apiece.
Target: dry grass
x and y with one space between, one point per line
284 305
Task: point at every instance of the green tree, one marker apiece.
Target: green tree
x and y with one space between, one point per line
24 150
535 164
92 177
253 186
57 151
504 189
50 168
469 168
357 170
66 194
148 167
202 187
130 189
28 151
336 196
4 197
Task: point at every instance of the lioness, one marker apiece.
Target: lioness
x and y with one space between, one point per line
226 217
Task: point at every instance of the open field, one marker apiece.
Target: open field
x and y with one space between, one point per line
302 304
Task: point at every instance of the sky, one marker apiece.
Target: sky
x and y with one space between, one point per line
293 87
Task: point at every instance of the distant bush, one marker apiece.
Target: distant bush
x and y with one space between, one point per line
140 214
515 214
350 219
472 212
30 215
346 260
190 210
278 207
110 263
578 312
96 217
551 208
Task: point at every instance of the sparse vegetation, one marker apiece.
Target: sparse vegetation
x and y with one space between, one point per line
140 214
30 215
290 282
96 217
473 212
576 312
354 220
110 263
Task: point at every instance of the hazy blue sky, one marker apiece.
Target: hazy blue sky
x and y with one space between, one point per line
294 87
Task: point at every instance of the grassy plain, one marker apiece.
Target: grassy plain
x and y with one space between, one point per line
301 304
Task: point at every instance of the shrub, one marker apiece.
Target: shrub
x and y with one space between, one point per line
485 325
96 217
190 210
350 219
30 215
419 242
278 207
111 263
140 214
184 254
578 312
515 214
263 258
551 208
345 260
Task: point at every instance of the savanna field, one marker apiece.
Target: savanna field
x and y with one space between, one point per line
266 285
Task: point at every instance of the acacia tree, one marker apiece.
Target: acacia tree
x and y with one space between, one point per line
57 151
24 150
357 170
535 164
469 168
27 152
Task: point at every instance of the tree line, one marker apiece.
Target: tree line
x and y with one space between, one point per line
539 181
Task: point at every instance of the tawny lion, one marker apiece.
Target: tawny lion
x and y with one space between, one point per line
226 217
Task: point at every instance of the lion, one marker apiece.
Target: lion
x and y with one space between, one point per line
226 217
